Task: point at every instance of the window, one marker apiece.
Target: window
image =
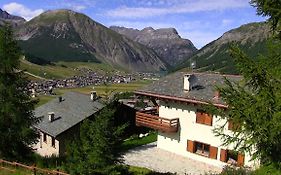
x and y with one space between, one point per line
232 157
53 142
203 118
45 137
202 149
232 126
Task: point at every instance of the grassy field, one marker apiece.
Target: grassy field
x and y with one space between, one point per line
132 169
135 141
64 69
102 90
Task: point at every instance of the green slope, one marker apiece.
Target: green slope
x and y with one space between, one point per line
251 38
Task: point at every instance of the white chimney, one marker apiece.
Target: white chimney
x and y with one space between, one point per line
51 116
189 81
93 95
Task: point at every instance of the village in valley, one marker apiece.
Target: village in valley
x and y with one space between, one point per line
83 97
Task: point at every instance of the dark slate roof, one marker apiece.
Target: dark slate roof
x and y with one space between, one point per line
204 91
74 108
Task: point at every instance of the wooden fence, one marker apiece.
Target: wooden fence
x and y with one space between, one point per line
35 170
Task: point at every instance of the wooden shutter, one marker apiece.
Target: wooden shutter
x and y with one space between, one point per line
230 124
223 155
208 119
240 161
190 146
213 152
199 118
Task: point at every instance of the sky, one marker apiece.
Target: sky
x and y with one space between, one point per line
201 21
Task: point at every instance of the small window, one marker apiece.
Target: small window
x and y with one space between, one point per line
202 149
53 142
45 137
203 118
232 126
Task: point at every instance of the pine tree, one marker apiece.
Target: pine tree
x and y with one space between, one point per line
255 102
16 116
97 151
271 8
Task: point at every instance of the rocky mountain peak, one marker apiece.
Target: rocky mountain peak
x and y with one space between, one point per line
71 36
5 17
147 29
166 42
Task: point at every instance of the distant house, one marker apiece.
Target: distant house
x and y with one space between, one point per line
61 119
183 126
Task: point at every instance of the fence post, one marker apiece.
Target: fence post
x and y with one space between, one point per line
58 172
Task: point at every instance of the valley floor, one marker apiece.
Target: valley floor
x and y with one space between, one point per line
151 157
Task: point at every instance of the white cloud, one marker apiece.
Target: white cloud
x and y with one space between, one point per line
190 6
226 22
76 5
139 25
21 10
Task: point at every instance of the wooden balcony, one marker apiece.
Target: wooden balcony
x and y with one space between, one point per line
150 119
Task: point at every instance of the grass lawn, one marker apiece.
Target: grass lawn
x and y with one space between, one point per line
101 90
14 172
135 141
139 170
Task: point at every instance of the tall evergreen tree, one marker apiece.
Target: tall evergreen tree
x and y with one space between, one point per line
97 151
255 102
16 106
271 8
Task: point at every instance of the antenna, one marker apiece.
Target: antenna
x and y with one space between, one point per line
192 65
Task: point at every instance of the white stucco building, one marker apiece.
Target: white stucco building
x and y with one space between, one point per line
183 126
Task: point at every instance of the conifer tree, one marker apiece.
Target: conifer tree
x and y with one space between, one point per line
16 106
255 102
97 151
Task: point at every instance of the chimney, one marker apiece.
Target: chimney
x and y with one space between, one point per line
93 95
51 116
189 81
60 98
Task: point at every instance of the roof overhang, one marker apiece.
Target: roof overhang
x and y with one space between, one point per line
180 99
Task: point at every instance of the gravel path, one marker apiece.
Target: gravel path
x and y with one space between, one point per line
151 157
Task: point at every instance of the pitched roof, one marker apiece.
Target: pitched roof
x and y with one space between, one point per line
171 87
74 108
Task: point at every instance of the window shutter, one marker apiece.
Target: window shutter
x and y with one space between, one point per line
208 119
199 118
230 124
223 156
240 161
190 146
213 152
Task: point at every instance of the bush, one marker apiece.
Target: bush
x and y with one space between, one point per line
230 170
270 169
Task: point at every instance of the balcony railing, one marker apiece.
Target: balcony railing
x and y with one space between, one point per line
149 118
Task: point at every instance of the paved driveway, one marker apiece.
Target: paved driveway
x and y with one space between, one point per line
151 157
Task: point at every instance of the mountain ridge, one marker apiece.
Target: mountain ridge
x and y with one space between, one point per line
67 35
166 42
5 17
214 56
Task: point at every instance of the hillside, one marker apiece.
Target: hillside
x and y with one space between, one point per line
251 38
64 35
166 42
61 69
11 19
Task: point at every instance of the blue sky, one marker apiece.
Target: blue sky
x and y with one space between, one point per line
201 21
